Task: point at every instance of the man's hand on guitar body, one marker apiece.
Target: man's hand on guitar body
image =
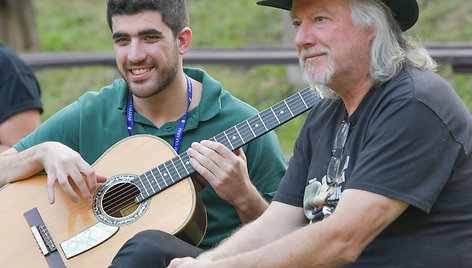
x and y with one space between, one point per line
62 163
227 173
59 162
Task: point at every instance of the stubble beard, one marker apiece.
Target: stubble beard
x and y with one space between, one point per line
166 75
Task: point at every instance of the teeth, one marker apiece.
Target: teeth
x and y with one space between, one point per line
139 71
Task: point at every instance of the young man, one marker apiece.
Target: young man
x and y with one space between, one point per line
382 167
20 95
154 96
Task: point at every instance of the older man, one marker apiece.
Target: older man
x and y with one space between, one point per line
382 169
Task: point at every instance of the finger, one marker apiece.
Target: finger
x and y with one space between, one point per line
51 181
79 181
200 169
101 178
226 159
63 181
240 153
203 165
217 147
210 153
87 171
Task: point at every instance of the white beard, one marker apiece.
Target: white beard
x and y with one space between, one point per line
318 81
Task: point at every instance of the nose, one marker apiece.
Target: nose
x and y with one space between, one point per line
305 36
136 52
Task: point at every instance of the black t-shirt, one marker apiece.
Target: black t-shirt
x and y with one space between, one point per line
410 139
19 89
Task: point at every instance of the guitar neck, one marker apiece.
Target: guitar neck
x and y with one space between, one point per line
178 168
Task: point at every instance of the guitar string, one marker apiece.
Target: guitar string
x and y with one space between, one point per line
135 191
132 191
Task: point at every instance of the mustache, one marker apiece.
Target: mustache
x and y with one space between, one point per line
307 52
145 62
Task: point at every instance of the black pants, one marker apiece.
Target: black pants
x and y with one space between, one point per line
153 248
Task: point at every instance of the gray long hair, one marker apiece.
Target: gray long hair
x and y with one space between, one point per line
390 47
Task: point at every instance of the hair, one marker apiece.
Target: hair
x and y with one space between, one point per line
174 12
390 47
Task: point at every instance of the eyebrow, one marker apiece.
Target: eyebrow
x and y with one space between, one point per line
313 12
143 32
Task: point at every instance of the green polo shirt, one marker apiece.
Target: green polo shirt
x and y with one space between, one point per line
97 120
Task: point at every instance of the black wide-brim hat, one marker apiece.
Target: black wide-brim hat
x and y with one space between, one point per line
405 11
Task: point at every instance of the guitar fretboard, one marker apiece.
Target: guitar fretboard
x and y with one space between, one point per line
178 168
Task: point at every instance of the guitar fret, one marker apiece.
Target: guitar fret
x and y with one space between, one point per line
149 184
160 176
275 115
187 165
221 138
141 187
253 134
257 125
282 116
178 173
232 147
170 174
288 108
150 174
268 119
259 115
233 138
175 176
180 158
303 99
234 135
298 102
163 175
239 135
155 180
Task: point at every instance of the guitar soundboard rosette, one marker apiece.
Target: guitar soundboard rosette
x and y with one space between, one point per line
114 201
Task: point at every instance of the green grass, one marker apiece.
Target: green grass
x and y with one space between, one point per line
81 25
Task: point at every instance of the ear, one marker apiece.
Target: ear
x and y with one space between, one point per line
184 38
370 32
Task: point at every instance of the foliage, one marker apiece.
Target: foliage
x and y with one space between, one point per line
81 25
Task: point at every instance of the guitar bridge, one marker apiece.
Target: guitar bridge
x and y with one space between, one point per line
43 238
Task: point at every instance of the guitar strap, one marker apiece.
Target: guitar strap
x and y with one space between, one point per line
44 240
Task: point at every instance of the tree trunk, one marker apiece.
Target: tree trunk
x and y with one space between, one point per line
18 26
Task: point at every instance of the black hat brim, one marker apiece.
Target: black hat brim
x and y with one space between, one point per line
406 12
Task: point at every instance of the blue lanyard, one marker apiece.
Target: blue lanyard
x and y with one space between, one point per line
180 128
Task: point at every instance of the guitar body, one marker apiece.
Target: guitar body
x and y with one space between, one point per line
176 210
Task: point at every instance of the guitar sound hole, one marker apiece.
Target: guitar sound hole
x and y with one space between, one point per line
118 201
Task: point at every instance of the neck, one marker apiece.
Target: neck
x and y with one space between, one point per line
352 92
169 104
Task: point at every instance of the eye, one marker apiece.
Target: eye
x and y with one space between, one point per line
151 37
120 40
320 19
296 24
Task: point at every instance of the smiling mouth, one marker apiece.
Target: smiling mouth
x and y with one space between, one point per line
139 71
314 56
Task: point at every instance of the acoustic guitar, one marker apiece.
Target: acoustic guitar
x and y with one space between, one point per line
138 195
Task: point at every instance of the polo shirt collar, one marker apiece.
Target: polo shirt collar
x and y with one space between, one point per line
210 102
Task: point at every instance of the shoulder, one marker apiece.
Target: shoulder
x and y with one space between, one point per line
428 89
108 95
